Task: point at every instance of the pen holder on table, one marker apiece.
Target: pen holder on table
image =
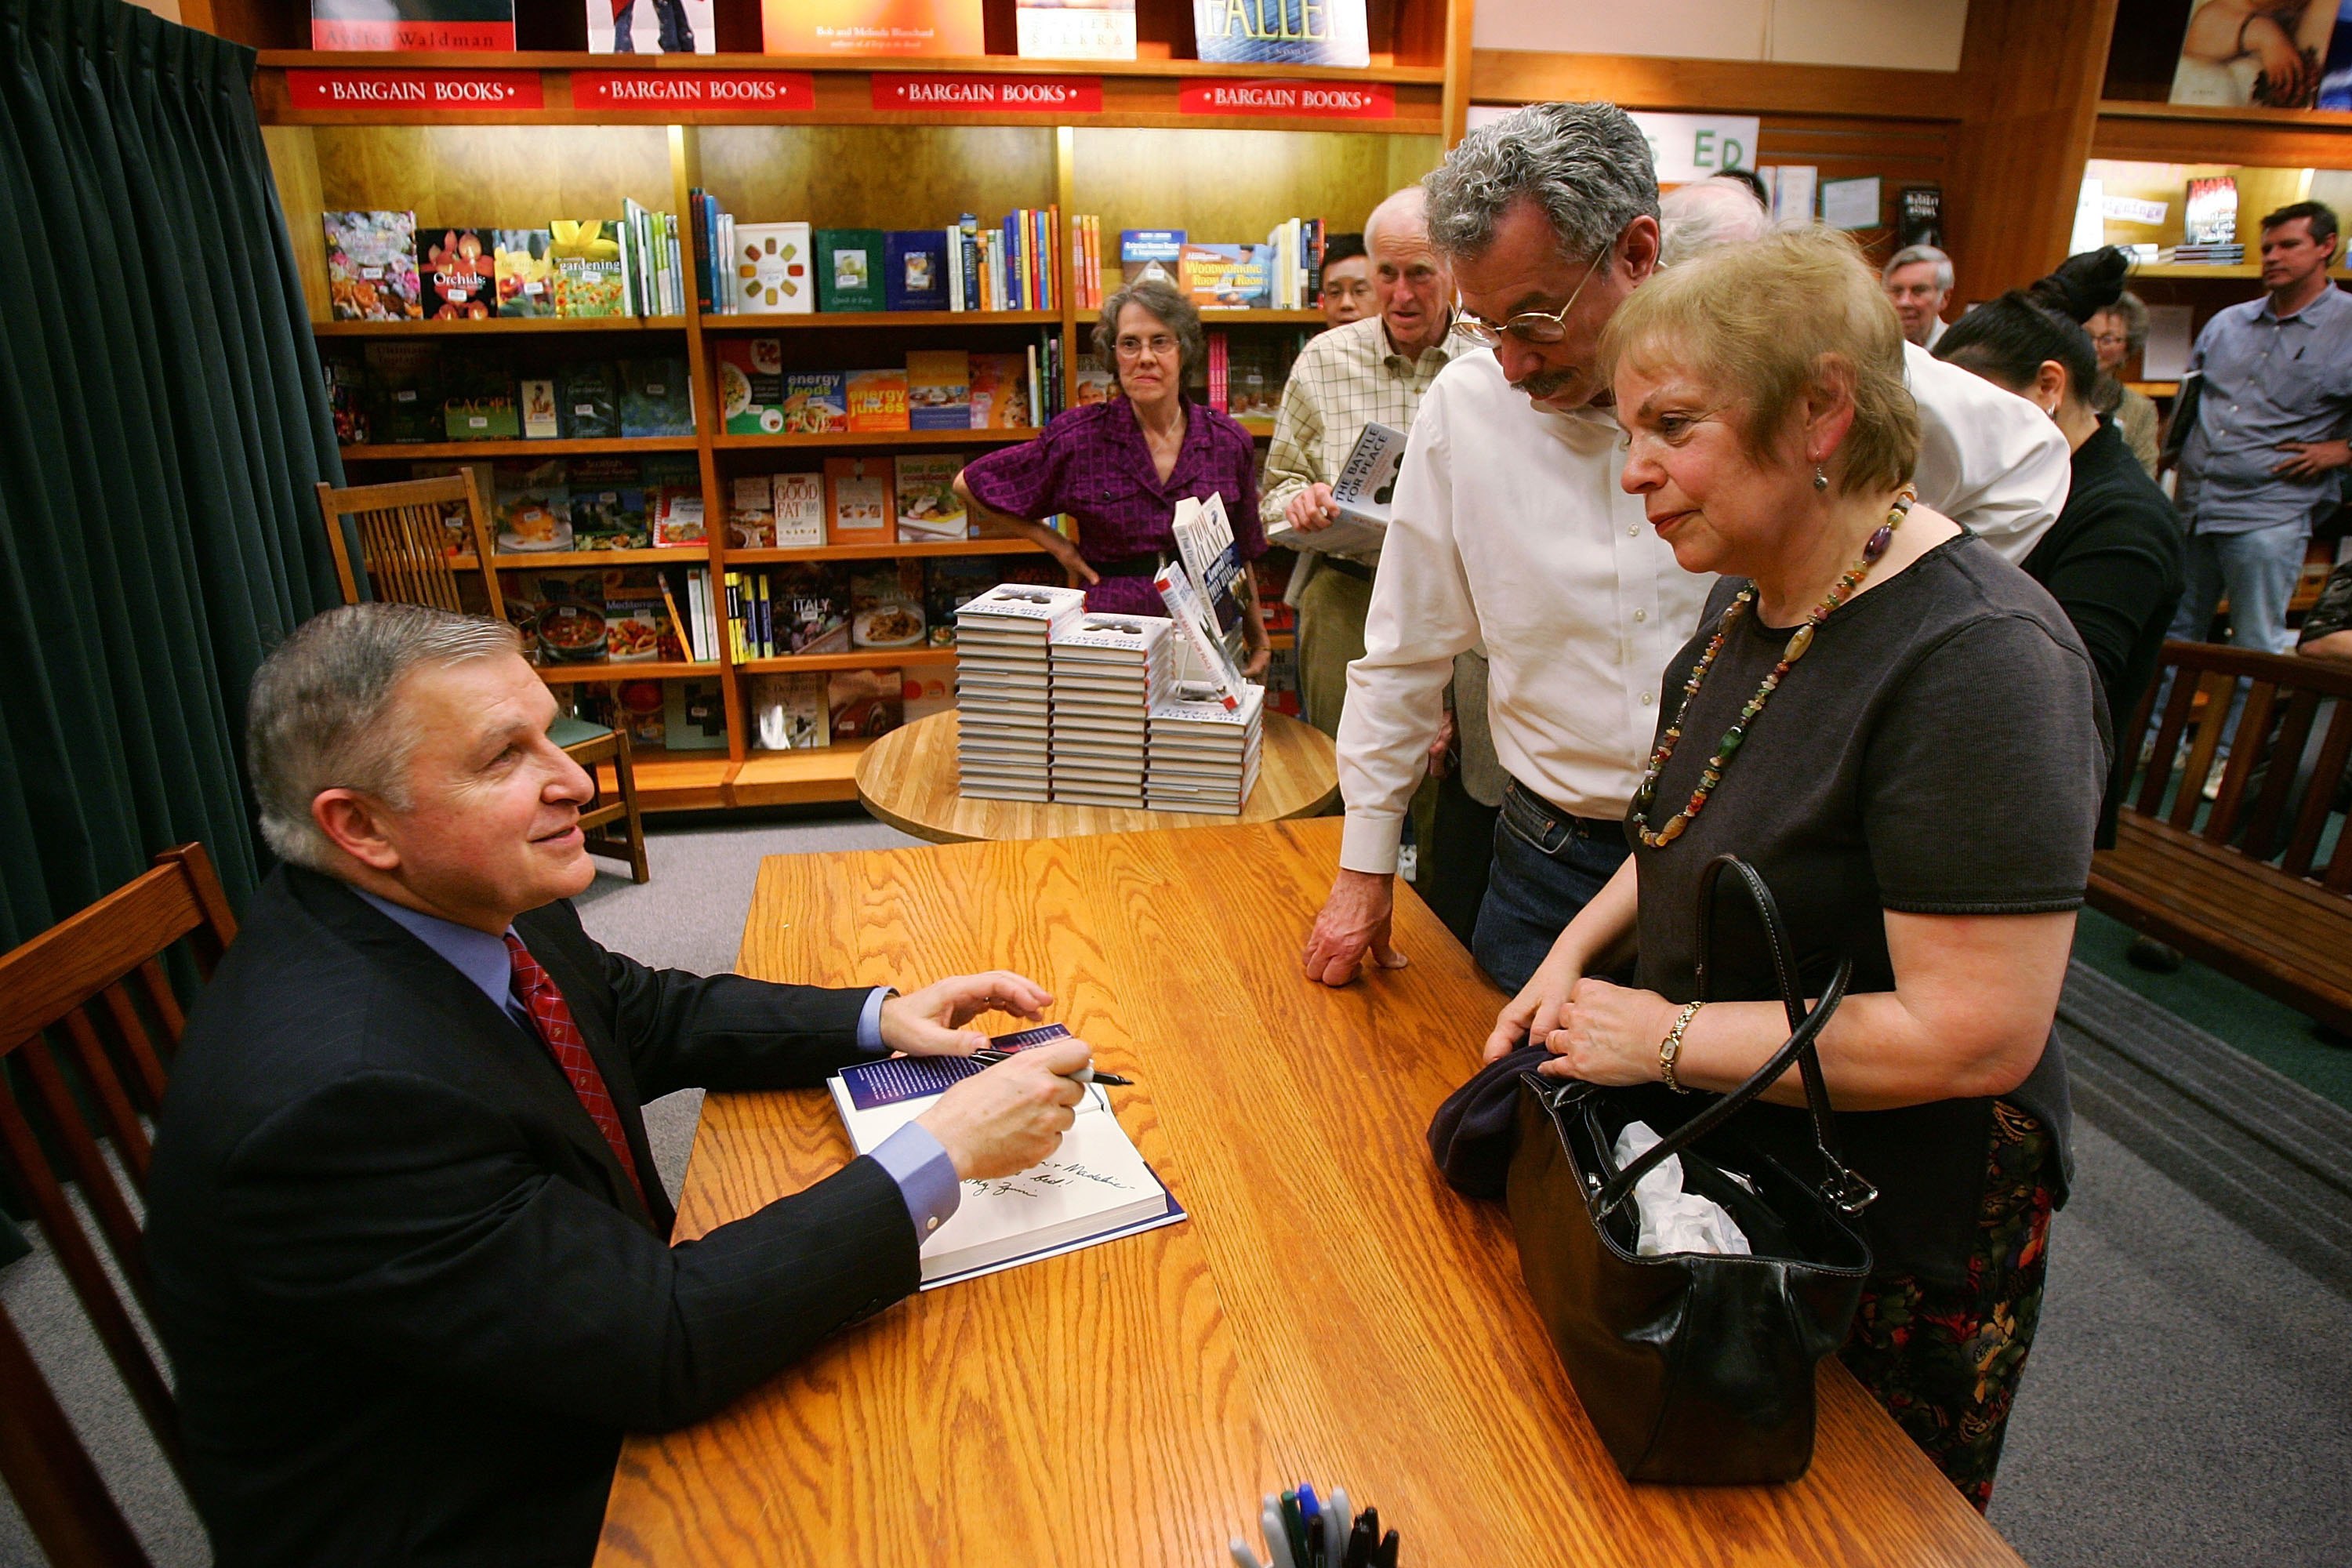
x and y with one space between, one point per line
1302 1532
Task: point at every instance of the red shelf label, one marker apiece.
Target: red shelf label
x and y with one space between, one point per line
693 89
361 91
1303 100
899 93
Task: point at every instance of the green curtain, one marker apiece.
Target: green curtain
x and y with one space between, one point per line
162 424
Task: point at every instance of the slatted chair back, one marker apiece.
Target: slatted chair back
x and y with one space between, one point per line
404 544
95 986
2271 808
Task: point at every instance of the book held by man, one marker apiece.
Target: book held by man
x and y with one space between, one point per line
1363 493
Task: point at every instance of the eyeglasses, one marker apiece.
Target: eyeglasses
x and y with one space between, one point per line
2112 339
1132 348
1529 326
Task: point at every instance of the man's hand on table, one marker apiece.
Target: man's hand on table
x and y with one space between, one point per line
1354 924
1310 510
1008 1116
930 1022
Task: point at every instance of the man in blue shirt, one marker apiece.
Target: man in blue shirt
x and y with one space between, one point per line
2267 453
411 1257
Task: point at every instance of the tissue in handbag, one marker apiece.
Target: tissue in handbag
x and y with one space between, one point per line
1671 1219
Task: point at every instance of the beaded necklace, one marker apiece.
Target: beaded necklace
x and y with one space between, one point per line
1802 639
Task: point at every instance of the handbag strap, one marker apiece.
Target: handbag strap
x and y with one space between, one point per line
1843 1188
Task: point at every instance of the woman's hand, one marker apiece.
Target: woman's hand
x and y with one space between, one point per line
1261 654
1058 546
1528 1017
1608 1035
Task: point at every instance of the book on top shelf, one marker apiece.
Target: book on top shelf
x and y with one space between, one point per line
1075 29
1151 253
587 257
816 402
1282 32
876 399
2335 70
769 268
525 272
651 27
999 390
915 269
872 28
456 269
372 267
848 268
939 389
2270 53
407 26
2211 214
1226 277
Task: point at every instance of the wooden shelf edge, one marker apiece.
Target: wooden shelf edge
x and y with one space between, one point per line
783 557
861 659
807 320
621 445
648 669
1753 86
498 325
525 561
873 438
992 64
2211 114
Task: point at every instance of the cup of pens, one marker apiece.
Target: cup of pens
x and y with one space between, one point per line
1303 1531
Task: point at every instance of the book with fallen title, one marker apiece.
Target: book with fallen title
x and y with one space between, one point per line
1362 494
1095 1187
1108 670
1202 658
1204 756
1004 679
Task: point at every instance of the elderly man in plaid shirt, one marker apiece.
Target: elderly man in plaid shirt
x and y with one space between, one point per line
1374 370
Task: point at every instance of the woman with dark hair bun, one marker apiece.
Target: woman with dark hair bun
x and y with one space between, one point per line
2114 559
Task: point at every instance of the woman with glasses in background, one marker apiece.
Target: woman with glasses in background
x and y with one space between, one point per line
2120 332
1119 466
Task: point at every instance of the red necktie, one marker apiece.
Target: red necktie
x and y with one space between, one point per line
548 1009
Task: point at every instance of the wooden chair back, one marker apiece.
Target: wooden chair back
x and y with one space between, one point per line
89 1023
2270 808
404 544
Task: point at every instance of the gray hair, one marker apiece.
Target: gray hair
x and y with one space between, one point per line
1705 213
1409 205
1175 312
319 713
1587 165
1912 255
2128 309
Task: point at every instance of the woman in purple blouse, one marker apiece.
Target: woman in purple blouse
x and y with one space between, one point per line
1119 466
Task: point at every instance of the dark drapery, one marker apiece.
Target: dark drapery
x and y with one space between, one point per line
162 425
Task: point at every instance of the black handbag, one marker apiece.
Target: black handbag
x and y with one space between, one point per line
1695 1368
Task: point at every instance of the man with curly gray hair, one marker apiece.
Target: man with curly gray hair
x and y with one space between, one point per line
1510 528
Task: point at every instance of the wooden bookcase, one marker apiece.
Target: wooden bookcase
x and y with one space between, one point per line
1141 162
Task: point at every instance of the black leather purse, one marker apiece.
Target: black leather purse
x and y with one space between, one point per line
1695 1368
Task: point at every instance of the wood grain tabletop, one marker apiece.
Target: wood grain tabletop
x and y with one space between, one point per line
908 778
1331 1310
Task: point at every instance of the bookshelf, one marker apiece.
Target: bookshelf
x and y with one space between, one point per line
1145 158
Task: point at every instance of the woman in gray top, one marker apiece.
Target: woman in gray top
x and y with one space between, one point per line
1903 733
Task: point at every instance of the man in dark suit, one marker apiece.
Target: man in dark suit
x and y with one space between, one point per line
410 1251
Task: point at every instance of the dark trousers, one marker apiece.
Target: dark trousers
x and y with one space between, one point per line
1456 858
1548 866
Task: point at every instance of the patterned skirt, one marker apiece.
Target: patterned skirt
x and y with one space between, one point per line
1946 1361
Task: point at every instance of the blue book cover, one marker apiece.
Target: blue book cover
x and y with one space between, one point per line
2335 74
968 235
915 269
1284 32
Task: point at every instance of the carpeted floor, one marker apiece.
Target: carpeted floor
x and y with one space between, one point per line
2190 1399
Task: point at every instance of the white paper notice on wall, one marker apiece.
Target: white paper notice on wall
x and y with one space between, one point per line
1851 204
1683 146
2131 209
2090 230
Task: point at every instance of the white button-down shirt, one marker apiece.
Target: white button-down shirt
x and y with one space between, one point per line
1510 527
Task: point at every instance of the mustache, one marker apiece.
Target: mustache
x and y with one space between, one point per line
1547 383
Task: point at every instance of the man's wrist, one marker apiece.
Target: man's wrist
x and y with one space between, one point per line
1369 844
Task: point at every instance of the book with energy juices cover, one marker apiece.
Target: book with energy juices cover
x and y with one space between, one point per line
372 267
770 270
587 257
859 502
939 389
652 27
876 399
799 510
929 507
438 25
1094 1187
871 27
999 390
1075 29
1283 32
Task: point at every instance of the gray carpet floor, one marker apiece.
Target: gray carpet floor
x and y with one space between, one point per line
2189 1400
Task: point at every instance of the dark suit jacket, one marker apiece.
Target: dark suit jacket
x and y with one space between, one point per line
411 1298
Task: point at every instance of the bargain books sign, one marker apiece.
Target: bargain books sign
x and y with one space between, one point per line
361 91
667 89
1305 100
899 93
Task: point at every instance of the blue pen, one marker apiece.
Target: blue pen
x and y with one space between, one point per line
1310 1520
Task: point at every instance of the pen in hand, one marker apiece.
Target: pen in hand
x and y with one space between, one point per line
1084 1075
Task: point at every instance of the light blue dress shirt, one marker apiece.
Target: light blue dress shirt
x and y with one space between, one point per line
2268 379
911 1156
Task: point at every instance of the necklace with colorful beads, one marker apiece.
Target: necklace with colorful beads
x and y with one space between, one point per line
1803 638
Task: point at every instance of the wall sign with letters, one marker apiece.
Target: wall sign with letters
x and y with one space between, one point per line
902 92
676 89
1303 100
368 91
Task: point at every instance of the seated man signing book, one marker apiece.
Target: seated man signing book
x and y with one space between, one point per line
411 1255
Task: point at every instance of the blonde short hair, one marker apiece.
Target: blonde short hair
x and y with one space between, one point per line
1769 320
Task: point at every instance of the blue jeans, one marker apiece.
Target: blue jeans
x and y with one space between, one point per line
1548 866
2258 569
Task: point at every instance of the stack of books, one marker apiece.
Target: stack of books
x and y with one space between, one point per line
1107 672
1003 678
1203 754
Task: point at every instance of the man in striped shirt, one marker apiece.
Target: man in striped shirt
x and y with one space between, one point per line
1373 370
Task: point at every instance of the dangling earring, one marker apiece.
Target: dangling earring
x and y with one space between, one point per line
1821 478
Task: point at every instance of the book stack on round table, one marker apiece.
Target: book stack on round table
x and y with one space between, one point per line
1203 754
1003 675
1108 670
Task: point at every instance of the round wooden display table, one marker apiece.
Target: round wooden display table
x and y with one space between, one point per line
908 778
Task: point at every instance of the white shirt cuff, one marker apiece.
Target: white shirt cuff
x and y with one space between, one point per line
1369 843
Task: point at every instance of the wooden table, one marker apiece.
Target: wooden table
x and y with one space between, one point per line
908 778
1331 1310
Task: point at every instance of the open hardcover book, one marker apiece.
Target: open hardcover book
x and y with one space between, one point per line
1361 495
1092 1188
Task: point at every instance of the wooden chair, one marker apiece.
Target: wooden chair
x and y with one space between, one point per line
94 983
405 554
2239 884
